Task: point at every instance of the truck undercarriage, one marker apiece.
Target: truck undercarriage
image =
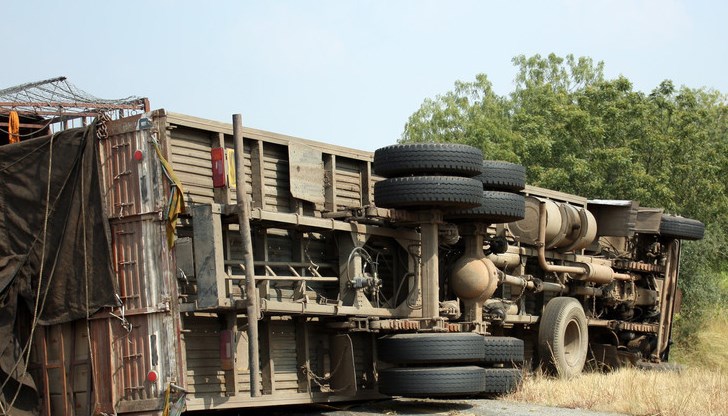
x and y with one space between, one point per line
420 270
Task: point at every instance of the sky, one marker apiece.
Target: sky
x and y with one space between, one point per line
346 72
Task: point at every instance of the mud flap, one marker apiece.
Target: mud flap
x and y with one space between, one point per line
343 371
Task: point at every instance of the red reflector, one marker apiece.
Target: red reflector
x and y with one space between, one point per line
152 376
138 155
218 167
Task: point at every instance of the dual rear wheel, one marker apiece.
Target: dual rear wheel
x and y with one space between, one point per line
447 364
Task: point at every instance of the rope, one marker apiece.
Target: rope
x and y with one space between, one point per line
33 133
85 274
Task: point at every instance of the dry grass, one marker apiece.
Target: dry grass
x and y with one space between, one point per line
632 391
700 389
707 348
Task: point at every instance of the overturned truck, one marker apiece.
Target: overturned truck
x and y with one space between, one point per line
277 270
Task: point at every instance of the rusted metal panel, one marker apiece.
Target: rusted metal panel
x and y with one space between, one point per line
142 261
307 173
209 261
143 336
119 174
131 360
61 368
130 168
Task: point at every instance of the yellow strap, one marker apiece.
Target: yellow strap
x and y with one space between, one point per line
165 412
176 199
14 127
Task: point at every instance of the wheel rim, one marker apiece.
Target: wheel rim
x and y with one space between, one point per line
572 343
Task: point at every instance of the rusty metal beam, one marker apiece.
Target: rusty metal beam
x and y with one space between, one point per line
59 104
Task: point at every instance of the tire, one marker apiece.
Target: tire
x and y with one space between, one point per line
495 207
427 191
431 348
427 159
681 228
432 381
502 380
563 337
503 350
502 176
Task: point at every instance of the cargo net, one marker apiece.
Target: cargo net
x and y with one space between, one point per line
58 104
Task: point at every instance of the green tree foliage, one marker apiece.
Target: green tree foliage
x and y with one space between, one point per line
577 131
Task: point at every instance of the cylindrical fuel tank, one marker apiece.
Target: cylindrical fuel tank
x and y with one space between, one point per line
474 278
568 227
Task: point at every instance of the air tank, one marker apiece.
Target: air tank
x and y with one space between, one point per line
568 227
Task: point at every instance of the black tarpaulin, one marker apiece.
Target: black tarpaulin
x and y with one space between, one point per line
58 250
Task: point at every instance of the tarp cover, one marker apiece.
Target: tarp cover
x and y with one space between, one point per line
65 257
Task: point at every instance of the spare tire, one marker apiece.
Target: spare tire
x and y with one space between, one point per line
427 159
432 381
431 348
505 350
681 228
428 191
495 207
502 380
502 176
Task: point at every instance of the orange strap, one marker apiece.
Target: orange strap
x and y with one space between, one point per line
14 127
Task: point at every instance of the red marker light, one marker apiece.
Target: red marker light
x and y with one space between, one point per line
152 376
138 155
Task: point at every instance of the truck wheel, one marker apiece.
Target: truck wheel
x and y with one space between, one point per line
430 348
427 159
495 207
681 228
502 380
502 176
427 191
563 337
503 350
432 381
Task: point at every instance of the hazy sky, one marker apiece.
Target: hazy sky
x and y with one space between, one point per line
345 72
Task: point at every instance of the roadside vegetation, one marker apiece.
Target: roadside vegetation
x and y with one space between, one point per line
693 391
577 131
700 387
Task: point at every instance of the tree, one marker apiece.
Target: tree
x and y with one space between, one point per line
578 132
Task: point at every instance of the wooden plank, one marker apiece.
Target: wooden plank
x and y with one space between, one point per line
211 125
206 379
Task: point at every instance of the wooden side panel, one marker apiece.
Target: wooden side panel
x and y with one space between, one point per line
278 196
283 355
192 163
204 375
348 183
